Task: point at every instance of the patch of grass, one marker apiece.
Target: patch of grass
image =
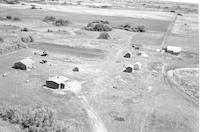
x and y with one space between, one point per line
99 26
11 45
38 118
104 35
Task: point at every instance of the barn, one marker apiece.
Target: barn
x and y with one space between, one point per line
173 50
128 68
24 64
128 54
57 82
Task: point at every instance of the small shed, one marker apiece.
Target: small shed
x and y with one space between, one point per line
128 55
24 64
137 66
57 82
128 68
174 50
76 69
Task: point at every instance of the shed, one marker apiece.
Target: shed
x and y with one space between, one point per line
173 50
24 64
76 69
57 82
137 66
128 54
128 68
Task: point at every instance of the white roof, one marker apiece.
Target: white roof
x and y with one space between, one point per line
58 79
138 63
174 49
129 66
27 61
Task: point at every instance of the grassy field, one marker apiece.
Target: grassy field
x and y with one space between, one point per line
109 100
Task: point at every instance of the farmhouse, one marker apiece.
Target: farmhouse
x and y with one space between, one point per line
128 54
57 82
173 50
24 64
128 68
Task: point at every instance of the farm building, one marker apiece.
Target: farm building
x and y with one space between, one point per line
128 68
24 64
128 54
137 66
57 82
173 50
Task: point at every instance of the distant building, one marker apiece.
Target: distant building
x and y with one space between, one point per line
57 82
128 55
24 64
173 50
128 68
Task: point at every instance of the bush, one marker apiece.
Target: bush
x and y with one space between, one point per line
24 29
128 27
104 35
33 7
34 119
49 19
179 14
98 25
9 17
11 1
61 22
16 19
1 40
28 39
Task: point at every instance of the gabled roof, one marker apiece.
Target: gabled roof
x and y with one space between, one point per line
58 79
174 48
27 61
131 66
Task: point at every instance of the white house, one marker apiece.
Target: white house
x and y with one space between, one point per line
24 64
174 50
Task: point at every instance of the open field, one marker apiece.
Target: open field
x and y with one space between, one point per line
103 97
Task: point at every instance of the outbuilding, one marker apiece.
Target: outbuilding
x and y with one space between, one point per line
24 64
128 68
57 82
128 55
137 66
173 50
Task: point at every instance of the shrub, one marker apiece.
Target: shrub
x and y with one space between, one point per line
49 19
128 27
179 14
104 35
24 29
173 11
33 7
16 19
9 17
61 22
98 25
28 39
11 1
1 40
37 118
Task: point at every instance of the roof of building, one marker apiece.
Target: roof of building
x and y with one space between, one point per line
131 66
58 79
174 48
27 61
